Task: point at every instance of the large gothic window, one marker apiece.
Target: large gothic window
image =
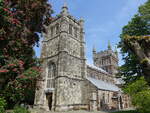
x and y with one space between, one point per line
51 75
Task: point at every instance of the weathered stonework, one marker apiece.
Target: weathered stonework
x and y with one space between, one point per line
101 75
107 60
65 49
66 78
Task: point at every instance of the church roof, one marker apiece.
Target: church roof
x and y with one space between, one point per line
103 85
97 68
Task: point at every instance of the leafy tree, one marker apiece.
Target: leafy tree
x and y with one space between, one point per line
138 26
140 46
2 105
139 91
144 11
21 21
135 46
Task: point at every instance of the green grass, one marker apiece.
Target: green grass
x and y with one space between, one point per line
131 111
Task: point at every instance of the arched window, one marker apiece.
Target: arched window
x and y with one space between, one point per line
108 97
51 75
103 98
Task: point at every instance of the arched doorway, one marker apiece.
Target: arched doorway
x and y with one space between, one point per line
49 97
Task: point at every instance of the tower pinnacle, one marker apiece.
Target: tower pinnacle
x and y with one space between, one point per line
65 3
64 11
94 50
116 50
109 46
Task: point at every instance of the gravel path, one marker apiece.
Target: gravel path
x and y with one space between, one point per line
68 112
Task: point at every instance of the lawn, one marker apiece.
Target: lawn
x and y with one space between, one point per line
131 111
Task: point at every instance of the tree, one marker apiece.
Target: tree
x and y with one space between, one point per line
21 21
139 91
132 69
144 11
2 105
140 46
135 46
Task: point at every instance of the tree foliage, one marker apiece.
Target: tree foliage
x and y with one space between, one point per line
21 21
140 46
135 47
144 11
2 105
139 91
138 26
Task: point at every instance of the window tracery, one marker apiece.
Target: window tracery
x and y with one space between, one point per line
51 75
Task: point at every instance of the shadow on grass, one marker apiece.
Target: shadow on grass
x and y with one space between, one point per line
130 111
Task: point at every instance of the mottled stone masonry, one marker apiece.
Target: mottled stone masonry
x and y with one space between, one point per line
94 73
65 85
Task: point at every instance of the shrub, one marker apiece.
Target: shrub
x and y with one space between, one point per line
140 95
137 86
18 109
2 105
142 101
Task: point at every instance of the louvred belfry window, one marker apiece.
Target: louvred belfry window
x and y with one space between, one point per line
75 32
51 75
70 29
57 28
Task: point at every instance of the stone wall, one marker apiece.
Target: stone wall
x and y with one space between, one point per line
69 93
97 74
105 101
101 99
91 96
63 46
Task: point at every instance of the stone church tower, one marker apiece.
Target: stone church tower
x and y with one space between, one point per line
107 60
63 64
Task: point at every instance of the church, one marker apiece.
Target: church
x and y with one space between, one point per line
68 82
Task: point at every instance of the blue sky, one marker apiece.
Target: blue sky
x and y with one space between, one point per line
104 20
